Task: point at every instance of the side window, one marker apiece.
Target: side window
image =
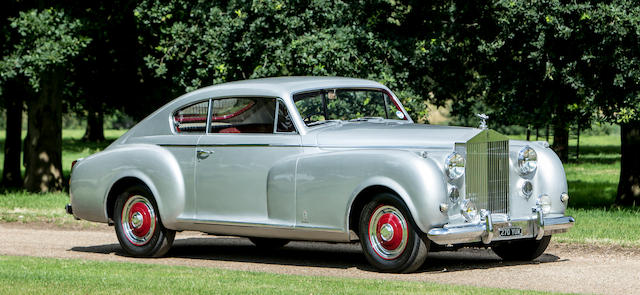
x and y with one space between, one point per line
242 115
191 119
284 123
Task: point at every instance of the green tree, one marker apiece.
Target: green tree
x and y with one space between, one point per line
614 68
105 76
47 39
564 62
12 94
203 43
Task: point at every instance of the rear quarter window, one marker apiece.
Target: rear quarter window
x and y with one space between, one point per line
192 118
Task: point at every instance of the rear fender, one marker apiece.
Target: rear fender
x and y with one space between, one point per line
95 176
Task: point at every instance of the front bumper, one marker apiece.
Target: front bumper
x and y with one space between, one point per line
489 229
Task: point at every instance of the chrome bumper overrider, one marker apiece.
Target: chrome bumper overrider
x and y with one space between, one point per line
487 229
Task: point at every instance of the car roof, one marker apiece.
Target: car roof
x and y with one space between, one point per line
288 85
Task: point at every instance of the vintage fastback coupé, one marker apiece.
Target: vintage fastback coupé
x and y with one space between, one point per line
321 159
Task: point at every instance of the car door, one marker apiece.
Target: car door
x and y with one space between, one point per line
246 163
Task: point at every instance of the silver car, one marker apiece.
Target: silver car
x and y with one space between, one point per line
321 159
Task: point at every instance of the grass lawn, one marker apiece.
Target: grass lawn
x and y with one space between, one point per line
27 275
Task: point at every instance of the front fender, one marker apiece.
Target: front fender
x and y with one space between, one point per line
422 191
551 178
94 176
327 184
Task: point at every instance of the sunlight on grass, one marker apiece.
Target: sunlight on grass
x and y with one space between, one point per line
604 226
24 207
65 276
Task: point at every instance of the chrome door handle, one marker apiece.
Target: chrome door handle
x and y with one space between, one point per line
202 154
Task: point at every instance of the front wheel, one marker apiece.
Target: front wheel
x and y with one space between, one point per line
388 238
522 250
138 225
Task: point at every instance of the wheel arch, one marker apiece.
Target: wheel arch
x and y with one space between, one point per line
119 187
360 200
367 193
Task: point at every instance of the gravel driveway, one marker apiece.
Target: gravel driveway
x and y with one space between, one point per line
564 267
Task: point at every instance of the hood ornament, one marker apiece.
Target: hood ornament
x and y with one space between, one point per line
483 120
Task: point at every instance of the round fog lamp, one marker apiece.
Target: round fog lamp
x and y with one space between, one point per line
544 201
526 188
454 194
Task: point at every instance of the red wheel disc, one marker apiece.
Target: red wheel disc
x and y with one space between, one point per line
138 220
388 232
395 223
143 229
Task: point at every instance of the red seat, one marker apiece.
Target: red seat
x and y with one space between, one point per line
229 130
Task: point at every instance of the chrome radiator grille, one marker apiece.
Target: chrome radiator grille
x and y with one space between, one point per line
487 175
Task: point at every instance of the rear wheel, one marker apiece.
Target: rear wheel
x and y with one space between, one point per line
138 225
267 243
388 238
522 250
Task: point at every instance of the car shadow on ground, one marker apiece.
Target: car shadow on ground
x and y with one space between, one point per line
315 254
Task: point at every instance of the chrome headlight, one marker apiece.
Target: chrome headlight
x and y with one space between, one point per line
454 166
527 160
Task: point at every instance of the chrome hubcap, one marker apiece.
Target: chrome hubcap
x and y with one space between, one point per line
386 232
138 220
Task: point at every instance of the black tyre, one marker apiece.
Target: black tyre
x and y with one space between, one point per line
388 236
522 250
138 224
267 243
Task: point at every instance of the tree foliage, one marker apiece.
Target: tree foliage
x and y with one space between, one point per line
201 43
45 39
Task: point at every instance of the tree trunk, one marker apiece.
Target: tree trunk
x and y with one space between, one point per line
561 141
546 133
95 124
11 176
44 146
629 184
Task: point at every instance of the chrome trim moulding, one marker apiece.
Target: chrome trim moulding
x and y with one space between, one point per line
265 230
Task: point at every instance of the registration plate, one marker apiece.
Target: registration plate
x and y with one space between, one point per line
510 231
